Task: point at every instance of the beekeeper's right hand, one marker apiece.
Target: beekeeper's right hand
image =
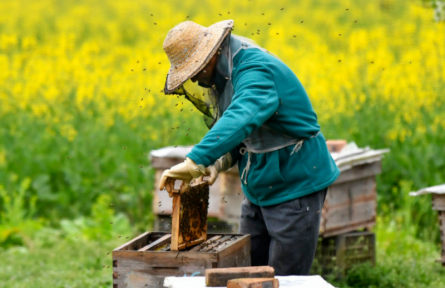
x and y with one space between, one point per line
186 171
222 164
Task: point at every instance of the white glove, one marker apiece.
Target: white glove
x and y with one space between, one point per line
186 171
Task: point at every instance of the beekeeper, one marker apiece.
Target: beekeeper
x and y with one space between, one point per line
260 116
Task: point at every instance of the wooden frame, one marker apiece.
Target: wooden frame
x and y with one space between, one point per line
178 240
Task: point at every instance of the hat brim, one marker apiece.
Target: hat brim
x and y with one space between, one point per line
215 36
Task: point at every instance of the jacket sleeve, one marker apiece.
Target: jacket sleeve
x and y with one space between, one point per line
255 100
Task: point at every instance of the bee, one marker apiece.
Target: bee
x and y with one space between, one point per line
282 8
142 99
220 14
270 23
339 60
339 34
137 61
155 23
187 16
301 21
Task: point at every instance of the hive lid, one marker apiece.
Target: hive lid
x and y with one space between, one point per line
171 152
438 189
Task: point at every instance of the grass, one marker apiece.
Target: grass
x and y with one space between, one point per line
58 260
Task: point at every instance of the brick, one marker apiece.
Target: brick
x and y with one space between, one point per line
336 145
220 276
253 283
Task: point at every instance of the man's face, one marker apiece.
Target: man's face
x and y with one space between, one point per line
205 75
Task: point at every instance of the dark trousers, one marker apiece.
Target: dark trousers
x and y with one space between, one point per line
285 235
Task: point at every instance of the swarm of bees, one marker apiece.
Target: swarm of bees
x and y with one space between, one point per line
193 212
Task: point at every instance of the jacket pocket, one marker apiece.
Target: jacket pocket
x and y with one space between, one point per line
265 179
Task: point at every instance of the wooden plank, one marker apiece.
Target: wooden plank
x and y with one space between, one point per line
343 193
220 276
175 222
349 228
253 283
192 243
216 244
438 202
359 212
237 254
135 242
206 243
158 243
360 171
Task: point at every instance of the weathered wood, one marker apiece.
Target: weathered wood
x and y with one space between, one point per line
253 283
138 241
354 190
237 254
441 216
132 268
158 243
438 202
206 243
349 228
220 276
360 171
175 221
350 215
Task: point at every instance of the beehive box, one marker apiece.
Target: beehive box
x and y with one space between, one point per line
337 254
351 201
439 205
146 260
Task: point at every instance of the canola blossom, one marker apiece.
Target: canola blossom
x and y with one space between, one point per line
374 71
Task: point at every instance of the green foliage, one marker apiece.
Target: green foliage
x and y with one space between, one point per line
402 261
17 225
102 226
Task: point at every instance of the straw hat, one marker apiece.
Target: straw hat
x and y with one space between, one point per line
189 47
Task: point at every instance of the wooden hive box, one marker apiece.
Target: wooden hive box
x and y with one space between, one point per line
146 260
439 206
351 201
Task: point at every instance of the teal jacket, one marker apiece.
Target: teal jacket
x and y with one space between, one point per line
266 89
